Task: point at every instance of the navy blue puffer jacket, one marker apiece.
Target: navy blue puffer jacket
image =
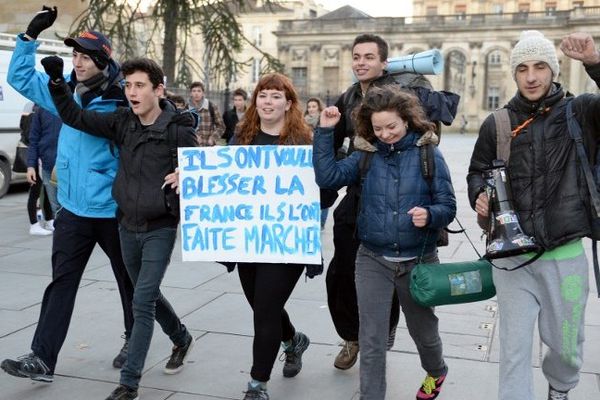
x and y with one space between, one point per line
393 185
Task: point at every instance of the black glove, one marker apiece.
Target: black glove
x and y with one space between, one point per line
42 20
53 65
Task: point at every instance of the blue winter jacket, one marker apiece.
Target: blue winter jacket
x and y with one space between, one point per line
392 186
85 165
43 139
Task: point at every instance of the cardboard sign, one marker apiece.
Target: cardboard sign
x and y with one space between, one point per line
249 204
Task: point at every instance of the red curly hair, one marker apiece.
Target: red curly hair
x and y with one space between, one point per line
295 130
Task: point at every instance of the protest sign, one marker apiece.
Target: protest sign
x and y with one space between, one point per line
249 204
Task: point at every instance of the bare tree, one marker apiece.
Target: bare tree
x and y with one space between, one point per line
172 24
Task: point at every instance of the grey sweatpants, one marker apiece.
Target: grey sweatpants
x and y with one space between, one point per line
555 293
376 279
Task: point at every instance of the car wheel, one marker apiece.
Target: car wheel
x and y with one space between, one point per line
5 176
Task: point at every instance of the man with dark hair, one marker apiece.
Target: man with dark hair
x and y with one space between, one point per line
148 133
552 206
369 63
85 167
211 127
233 116
369 60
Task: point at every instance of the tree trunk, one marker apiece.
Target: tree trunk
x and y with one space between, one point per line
170 22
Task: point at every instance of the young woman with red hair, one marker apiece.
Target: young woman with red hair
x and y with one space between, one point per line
274 117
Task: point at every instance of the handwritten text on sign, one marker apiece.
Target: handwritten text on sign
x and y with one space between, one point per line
249 203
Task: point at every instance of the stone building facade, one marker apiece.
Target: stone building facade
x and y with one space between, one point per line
475 44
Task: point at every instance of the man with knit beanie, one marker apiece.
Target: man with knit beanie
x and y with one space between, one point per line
552 207
85 167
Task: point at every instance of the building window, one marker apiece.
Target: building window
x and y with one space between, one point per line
523 7
497 8
312 13
299 79
577 4
493 98
550 8
257 36
255 70
460 11
495 58
431 10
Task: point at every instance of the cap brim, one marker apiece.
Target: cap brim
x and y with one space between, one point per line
77 43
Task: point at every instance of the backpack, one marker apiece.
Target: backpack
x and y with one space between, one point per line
427 163
592 174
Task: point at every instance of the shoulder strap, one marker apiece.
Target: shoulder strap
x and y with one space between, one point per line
363 165
173 142
503 134
211 111
427 159
575 133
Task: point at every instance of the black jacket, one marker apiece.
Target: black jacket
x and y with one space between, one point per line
231 119
550 194
145 156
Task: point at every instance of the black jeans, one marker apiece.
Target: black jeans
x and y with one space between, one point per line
341 288
74 240
267 287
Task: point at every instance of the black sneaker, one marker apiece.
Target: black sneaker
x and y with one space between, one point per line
28 366
293 355
123 392
120 359
257 393
179 356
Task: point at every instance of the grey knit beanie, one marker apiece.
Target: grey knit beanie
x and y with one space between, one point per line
533 46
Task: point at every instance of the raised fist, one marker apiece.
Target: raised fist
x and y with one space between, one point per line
53 65
42 20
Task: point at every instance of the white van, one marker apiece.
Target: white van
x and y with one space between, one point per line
12 104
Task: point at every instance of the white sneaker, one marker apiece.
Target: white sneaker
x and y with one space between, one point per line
49 225
37 229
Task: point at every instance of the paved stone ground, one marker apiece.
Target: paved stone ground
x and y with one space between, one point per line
212 305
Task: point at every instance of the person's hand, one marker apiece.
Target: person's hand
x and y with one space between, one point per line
42 20
329 117
580 46
31 175
172 180
482 205
419 216
53 65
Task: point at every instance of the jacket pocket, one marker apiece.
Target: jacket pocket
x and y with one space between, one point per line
98 189
63 175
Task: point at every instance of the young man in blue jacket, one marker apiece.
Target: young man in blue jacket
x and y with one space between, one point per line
86 167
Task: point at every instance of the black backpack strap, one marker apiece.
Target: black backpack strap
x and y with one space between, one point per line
427 161
211 111
576 135
173 142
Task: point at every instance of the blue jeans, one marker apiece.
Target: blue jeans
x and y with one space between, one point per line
50 192
376 279
146 256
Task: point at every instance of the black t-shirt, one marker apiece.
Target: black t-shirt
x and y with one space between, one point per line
264 139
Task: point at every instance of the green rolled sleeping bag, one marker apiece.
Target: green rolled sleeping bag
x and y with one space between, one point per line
452 283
